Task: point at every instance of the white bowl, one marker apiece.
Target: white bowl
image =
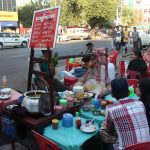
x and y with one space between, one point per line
78 90
6 90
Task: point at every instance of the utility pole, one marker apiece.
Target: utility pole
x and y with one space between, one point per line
119 14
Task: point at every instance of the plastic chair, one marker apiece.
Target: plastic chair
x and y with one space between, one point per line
139 146
122 69
44 143
113 56
132 74
133 82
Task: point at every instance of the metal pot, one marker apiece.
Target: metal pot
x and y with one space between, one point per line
31 100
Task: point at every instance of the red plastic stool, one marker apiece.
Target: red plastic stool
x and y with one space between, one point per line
133 82
139 146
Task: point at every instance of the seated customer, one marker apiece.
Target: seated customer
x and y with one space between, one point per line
143 91
43 82
146 56
138 64
126 118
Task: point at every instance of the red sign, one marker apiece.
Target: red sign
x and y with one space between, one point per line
44 28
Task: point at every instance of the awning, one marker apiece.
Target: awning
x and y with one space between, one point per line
9 24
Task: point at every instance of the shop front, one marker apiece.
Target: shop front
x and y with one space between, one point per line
8 21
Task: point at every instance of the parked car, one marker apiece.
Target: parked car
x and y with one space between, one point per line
12 40
64 38
78 33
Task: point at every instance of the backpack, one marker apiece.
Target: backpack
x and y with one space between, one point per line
118 36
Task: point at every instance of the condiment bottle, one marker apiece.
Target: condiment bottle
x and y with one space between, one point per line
78 121
96 104
4 82
131 89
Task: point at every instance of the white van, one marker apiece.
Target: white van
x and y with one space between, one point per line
78 33
145 38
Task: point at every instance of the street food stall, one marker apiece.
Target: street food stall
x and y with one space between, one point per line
64 116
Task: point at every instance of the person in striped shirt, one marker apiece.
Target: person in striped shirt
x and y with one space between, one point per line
126 118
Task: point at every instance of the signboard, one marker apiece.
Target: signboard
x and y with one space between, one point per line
44 28
8 16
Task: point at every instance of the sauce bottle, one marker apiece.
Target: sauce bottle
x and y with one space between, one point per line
78 121
4 82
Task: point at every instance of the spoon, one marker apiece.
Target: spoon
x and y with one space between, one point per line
90 122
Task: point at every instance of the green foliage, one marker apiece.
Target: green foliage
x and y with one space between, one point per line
93 12
75 12
71 13
128 16
25 13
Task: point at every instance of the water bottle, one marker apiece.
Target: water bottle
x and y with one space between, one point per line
4 82
131 89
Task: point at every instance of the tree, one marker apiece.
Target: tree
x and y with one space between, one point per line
128 16
71 12
97 12
75 12
25 13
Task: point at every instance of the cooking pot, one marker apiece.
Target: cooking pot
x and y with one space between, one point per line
31 100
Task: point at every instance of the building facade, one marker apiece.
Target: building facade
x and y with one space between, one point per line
8 15
142 9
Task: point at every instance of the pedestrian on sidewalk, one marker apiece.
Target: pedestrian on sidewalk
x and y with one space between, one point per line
135 38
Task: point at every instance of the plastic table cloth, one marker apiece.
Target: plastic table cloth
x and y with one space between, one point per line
100 118
68 138
109 97
88 115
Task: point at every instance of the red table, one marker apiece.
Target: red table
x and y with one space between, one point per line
13 100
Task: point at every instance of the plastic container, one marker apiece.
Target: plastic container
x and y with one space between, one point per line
63 102
67 120
59 109
79 72
70 102
55 123
70 81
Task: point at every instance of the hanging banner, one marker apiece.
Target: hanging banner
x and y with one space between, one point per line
44 28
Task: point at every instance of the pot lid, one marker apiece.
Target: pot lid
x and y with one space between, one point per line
45 105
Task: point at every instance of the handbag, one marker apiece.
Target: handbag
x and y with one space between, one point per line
106 136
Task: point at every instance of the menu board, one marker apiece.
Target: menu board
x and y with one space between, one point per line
44 28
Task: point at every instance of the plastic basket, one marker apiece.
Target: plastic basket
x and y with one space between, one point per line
8 127
79 72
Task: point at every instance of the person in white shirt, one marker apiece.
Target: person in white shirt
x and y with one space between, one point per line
135 38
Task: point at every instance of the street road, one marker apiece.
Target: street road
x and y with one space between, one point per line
14 62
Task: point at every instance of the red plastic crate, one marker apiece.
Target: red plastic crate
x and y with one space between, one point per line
69 81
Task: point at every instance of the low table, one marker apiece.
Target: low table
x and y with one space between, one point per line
69 138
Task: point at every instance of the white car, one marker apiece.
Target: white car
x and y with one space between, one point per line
78 33
12 40
27 36
64 38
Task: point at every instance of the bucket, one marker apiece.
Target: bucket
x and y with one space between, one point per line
8 127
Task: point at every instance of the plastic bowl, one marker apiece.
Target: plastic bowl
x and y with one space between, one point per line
6 90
